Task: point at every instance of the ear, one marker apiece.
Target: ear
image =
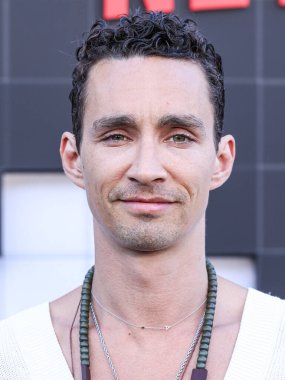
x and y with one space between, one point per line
224 161
71 161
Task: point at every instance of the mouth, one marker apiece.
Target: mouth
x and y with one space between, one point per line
147 205
148 200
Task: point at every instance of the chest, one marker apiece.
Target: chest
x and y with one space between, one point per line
157 361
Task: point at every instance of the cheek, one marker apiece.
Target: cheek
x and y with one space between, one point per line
100 176
197 180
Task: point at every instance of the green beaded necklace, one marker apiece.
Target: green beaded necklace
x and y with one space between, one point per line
199 373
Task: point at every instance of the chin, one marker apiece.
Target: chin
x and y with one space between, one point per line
144 239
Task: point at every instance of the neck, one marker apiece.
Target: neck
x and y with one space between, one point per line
151 288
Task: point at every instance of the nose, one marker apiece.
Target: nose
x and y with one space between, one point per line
147 166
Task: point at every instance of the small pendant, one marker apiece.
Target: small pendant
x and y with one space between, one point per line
166 327
85 370
199 374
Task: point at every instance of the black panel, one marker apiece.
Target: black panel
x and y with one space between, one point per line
1 38
274 142
44 35
231 216
274 32
3 128
2 121
38 116
233 34
274 218
271 277
240 120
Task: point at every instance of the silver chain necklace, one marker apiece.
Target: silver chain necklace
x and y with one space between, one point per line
184 363
165 327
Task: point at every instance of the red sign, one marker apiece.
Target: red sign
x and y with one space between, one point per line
114 9
205 5
166 6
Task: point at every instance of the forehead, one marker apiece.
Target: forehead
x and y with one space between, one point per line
148 88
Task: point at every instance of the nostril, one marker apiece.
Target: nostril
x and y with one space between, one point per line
133 179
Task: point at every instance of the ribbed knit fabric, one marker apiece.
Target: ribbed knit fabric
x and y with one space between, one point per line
259 352
29 349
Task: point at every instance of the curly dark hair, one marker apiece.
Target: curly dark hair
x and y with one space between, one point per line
147 34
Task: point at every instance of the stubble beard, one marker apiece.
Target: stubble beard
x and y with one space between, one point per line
147 234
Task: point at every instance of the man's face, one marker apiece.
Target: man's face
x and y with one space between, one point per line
148 152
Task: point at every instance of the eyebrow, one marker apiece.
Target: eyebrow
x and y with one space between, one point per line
189 121
111 122
185 121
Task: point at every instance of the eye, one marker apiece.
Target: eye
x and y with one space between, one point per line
181 138
115 139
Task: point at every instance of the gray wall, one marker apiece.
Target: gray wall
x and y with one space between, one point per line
245 217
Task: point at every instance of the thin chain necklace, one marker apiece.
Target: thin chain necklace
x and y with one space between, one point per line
165 327
199 373
183 365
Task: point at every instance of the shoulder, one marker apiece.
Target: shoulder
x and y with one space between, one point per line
264 307
24 322
27 322
15 332
236 304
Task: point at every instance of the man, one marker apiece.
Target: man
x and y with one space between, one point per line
147 108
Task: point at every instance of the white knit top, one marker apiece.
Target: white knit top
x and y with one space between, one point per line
29 349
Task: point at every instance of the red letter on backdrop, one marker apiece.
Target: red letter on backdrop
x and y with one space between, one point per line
281 3
114 9
206 5
166 6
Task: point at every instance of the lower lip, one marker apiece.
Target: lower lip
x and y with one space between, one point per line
146 207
